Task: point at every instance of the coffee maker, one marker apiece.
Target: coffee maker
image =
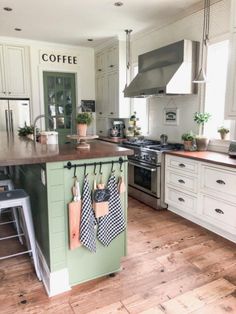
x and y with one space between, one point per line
117 129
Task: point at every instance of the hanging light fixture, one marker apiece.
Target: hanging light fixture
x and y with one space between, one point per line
201 76
128 32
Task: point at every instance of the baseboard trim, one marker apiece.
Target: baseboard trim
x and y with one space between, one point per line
54 282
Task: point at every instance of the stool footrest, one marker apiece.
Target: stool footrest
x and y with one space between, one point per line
13 236
7 222
12 255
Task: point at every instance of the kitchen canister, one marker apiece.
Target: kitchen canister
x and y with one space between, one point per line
49 137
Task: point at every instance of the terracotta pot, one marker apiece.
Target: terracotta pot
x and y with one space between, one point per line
223 135
81 129
188 145
202 143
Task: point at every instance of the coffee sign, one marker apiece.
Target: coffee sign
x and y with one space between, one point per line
58 58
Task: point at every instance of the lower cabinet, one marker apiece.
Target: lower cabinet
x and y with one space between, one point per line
206 196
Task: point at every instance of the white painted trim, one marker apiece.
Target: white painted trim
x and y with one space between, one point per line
54 282
221 146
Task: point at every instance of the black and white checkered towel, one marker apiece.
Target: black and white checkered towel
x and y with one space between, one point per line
111 225
88 221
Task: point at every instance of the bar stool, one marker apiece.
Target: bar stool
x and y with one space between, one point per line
5 182
19 198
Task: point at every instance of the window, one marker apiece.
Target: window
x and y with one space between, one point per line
217 60
140 106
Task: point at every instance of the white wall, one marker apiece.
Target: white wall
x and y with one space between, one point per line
189 27
84 70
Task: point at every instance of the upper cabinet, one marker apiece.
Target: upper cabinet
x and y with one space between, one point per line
230 101
14 71
110 82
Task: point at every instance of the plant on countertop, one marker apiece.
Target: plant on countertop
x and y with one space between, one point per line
84 118
201 118
133 130
223 131
26 130
188 136
189 141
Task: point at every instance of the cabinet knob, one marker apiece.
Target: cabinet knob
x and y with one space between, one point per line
99 70
219 211
181 199
4 93
9 93
181 181
100 131
100 112
111 66
182 165
111 112
220 181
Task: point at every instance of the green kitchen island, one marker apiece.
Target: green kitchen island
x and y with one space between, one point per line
42 171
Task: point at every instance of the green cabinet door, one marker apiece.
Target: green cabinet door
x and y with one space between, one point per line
60 103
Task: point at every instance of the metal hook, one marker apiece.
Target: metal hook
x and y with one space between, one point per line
121 163
94 169
100 169
112 165
75 168
85 166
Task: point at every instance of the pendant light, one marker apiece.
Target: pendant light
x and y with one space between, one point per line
128 32
201 76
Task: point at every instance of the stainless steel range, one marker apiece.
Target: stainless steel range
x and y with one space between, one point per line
146 171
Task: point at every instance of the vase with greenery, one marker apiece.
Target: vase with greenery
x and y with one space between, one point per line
83 119
26 130
189 141
201 118
223 132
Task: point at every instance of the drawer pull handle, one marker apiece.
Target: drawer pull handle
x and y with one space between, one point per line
99 70
182 165
181 181
219 211
181 199
220 181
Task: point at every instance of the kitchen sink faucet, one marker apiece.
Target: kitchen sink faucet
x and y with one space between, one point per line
36 119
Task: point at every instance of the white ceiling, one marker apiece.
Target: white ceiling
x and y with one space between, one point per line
74 21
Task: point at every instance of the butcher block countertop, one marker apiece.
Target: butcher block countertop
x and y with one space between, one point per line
212 157
15 150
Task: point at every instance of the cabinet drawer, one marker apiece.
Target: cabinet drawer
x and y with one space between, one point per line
220 213
184 164
181 181
218 180
181 200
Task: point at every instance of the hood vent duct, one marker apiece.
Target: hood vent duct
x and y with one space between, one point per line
167 70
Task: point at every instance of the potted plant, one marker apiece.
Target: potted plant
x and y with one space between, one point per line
189 140
223 132
201 118
83 119
26 130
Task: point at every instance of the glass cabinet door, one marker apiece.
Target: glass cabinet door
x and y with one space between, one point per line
60 106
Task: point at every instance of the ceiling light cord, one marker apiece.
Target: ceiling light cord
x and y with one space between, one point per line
128 55
201 76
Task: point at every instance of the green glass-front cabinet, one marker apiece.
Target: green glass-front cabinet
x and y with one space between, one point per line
60 103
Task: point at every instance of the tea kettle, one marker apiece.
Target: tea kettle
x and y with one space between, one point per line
164 139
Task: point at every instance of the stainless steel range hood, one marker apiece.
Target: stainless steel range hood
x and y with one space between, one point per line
167 70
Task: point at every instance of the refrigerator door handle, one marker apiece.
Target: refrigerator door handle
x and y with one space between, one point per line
7 120
11 121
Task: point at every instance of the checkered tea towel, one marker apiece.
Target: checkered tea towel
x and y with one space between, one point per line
88 221
111 225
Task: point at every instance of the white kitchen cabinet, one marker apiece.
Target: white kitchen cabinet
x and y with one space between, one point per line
14 77
203 193
110 65
233 14
102 126
230 102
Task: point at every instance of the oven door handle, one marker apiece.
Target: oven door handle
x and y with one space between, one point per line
143 166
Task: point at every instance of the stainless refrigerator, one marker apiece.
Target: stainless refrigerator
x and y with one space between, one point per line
14 114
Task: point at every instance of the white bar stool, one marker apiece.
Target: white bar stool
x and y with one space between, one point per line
5 182
19 198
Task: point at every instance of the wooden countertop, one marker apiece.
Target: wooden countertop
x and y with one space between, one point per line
15 150
115 140
212 157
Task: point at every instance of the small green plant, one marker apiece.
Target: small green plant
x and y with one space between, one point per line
188 136
26 130
84 118
201 118
223 130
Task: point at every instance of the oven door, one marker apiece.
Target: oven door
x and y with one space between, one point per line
145 177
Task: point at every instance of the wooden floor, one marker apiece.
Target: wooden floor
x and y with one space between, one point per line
173 266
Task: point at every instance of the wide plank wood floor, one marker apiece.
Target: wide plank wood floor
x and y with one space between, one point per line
173 266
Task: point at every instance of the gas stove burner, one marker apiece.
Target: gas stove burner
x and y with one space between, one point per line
166 147
141 142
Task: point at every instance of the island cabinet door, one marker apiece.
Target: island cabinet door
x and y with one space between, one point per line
82 265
